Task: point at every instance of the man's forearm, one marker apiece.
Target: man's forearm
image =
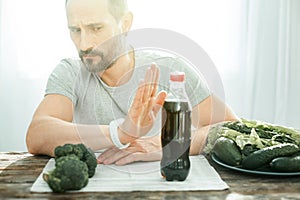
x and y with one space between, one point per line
45 133
198 140
199 136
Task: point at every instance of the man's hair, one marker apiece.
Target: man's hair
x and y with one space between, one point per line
117 8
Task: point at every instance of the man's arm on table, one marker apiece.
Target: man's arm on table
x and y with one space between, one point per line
210 111
52 126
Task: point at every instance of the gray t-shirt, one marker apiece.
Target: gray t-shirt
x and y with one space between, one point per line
97 103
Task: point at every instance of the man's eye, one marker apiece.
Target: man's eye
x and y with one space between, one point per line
75 30
97 28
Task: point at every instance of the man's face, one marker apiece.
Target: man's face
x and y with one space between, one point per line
95 33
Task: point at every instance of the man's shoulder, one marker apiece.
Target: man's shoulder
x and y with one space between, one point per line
159 56
72 63
167 61
152 55
67 66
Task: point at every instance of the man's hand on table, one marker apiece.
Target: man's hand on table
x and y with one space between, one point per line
142 149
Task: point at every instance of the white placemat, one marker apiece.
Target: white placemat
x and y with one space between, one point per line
143 176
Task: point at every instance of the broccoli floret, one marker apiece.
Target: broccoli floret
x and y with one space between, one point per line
84 154
70 173
90 159
68 149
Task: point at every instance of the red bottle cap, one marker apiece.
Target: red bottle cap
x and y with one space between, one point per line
177 76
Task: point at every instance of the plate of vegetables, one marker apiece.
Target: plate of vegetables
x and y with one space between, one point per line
256 147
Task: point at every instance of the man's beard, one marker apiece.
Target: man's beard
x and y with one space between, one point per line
95 66
104 56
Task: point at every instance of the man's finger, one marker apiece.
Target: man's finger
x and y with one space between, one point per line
161 96
147 110
137 101
133 157
155 80
160 99
138 156
116 156
106 154
147 88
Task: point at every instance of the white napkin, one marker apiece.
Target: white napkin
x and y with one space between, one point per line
143 176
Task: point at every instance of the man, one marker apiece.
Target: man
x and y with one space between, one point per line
85 98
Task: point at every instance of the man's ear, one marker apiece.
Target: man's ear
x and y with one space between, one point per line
126 22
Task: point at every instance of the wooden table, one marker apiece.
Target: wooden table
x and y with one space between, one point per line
18 171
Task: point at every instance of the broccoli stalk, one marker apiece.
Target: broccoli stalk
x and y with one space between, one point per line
70 173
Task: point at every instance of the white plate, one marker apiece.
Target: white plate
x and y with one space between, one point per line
216 160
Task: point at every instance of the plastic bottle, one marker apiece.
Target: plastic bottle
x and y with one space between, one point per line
176 131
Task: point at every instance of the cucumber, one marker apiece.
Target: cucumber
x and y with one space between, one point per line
227 151
266 155
286 164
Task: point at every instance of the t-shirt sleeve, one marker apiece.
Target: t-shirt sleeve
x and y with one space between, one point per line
195 83
62 80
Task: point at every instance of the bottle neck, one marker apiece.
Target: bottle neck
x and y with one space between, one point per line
177 91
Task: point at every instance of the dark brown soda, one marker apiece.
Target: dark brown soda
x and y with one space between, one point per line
176 140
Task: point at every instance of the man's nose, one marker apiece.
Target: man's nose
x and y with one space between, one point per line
86 41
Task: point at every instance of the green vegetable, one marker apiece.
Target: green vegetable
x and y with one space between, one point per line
248 149
269 134
238 126
227 151
288 134
266 155
84 154
286 164
74 165
252 139
70 173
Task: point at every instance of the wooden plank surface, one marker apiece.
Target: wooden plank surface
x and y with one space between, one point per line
18 171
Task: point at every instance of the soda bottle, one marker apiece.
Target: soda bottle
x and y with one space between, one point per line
176 131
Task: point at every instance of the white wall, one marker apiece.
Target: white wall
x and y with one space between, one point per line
33 39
